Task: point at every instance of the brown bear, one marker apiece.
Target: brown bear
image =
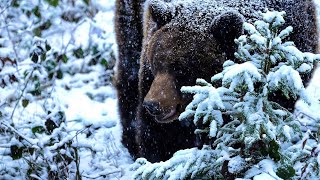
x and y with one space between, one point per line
171 45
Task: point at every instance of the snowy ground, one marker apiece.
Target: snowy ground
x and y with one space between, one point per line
86 103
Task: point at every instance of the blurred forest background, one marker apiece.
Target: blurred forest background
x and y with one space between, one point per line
58 114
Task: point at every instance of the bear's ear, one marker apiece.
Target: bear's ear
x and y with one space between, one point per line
161 12
226 28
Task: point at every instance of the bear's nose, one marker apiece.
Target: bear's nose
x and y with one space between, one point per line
152 107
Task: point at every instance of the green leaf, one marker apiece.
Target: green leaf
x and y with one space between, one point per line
104 62
95 50
37 31
86 1
37 88
38 129
46 25
25 102
36 12
34 57
274 150
15 3
78 53
50 65
50 125
59 74
64 58
48 47
53 3
43 57
50 75
36 92
16 152
61 115
286 172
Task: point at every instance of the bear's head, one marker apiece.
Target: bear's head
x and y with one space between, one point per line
177 54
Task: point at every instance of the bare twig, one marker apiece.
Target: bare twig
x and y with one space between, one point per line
16 132
21 95
103 174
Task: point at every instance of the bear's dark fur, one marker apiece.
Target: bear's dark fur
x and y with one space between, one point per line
182 41
128 26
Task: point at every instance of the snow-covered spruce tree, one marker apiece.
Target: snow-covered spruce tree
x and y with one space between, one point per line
251 136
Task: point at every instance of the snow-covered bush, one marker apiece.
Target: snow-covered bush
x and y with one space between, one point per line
42 42
251 136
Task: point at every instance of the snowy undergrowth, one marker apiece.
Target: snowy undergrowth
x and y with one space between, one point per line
251 135
57 105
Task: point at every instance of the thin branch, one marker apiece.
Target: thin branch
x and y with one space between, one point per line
18 133
21 95
101 174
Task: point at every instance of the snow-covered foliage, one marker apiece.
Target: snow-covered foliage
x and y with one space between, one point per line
188 164
250 135
58 116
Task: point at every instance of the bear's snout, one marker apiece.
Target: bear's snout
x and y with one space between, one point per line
152 107
163 100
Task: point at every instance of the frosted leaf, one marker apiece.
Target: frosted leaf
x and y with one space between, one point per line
250 140
213 129
293 53
260 40
287 79
263 176
186 114
267 166
252 172
262 28
280 112
216 77
236 164
276 18
184 164
249 82
215 99
288 43
203 82
286 32
253 118
305 68
241 39
228 63
310 57
276 41
196 89
286 131
250 28
238 73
